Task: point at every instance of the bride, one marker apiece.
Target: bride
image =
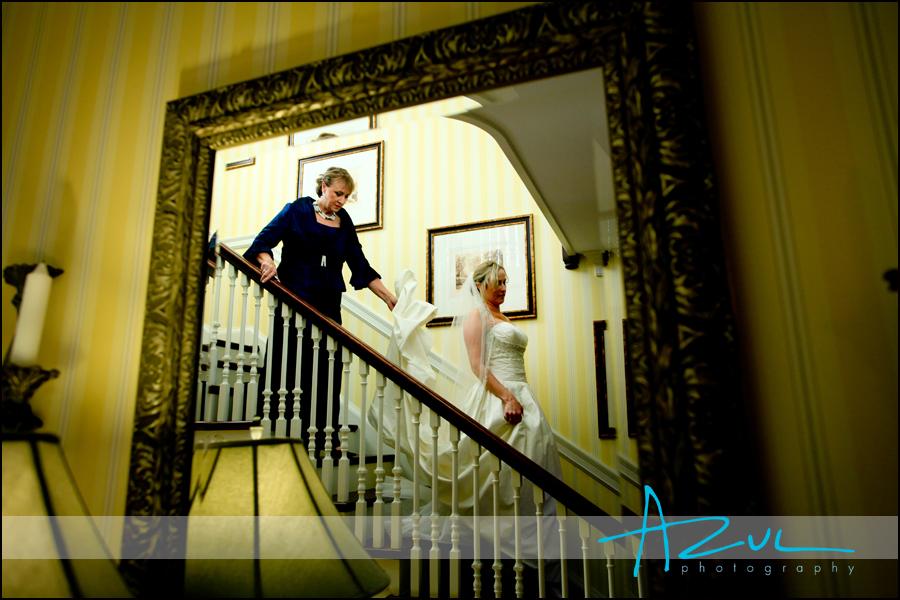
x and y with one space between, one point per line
490 387
494 391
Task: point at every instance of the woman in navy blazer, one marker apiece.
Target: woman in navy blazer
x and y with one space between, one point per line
317 237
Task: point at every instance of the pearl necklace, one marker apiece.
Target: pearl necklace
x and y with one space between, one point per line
321 214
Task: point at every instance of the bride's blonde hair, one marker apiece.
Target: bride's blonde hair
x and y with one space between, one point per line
488 271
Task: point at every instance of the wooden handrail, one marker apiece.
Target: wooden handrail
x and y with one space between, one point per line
447 411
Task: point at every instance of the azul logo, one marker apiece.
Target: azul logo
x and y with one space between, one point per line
689 553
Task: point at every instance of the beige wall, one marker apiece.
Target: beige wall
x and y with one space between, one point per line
806 161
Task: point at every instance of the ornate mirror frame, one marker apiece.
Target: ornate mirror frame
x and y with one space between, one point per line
681 336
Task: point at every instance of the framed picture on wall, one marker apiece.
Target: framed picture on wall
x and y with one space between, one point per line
366 166
605 430
629 394
455 251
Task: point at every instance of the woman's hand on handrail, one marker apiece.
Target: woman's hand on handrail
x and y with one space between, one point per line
267 267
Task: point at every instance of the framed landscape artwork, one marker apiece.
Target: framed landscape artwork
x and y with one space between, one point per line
455 251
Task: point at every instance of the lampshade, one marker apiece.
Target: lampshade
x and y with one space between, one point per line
261 524
51 547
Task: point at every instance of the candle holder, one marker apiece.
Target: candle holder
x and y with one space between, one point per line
19 383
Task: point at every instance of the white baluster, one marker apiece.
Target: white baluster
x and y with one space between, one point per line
270 351
415 555
563 571
296 422
237 409
497 566
225 386
344 464
212 399
396 521
635 546
435 553
204 359
517 496
539 512
281 422
454 512
609 549
378 508
584 530
476 538
202 377
328 461
316 335
361 469
253 386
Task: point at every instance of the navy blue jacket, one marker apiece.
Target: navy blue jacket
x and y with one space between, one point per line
301 269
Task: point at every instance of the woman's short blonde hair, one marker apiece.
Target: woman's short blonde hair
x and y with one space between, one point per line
333 174
488 271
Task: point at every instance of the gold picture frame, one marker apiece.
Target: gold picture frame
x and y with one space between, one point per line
365 164
454 251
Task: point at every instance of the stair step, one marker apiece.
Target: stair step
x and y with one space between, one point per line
232 367
248 348
350 505
354 459
222 425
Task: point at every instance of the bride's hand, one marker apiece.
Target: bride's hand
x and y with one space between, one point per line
512 411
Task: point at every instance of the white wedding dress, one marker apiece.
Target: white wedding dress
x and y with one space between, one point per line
533 437
505 346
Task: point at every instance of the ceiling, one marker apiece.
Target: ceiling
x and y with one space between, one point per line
554 133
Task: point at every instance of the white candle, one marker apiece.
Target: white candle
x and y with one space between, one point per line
31 317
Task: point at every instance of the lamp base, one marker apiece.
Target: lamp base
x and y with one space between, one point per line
19 384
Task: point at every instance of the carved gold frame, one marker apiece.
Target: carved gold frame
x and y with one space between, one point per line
527 221
680 326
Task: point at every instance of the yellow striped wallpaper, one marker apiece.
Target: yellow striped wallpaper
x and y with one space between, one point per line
83 98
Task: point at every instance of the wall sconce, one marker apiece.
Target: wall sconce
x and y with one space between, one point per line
21 376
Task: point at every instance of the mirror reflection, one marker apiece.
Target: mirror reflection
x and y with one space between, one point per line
463 167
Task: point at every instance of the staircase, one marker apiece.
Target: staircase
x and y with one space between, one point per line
233 376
